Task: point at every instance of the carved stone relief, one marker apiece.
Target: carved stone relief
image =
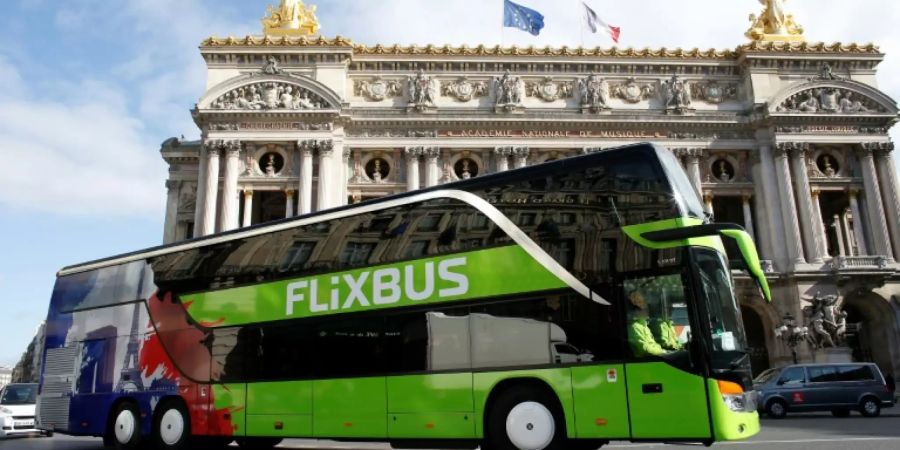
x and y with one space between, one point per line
829 100
377 89
423 90
714 92
633 92
187 199
464 90
549 90
594 92
509 91
268 95
676 95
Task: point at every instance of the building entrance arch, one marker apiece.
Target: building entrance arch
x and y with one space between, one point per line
756 339
872 330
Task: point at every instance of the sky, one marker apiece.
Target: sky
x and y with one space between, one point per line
89 89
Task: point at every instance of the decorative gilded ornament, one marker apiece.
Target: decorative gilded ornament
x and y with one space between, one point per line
290 18
774 24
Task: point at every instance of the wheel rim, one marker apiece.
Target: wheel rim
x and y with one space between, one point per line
776 409
171 426
530 426
124 426
870 407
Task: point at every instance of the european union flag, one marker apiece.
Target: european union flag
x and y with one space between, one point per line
518 16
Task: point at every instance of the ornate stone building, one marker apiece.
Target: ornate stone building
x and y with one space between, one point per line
786 137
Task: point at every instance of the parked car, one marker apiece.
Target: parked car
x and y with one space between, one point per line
839 388
17 409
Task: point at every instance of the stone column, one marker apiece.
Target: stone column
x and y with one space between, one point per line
875 207
288 203
708 201
692 157
345 174
230 199
501 155
200 200
432 171
748 216
306 175
858 222
761 226
790 221
846 236
767 183
811 238
819 223
211 188
412 168
521 159
326 151
248 208
839 235
173 188
890 192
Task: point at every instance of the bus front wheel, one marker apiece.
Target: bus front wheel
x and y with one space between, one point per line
525 418
171 426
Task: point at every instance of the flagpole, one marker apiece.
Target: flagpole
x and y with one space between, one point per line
580 21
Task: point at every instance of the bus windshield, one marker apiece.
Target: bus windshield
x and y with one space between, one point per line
716 290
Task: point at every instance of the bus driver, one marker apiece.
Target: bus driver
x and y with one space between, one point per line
640 337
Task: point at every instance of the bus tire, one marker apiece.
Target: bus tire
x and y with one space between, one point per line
776 409
525 418
257 443
171 426
125 427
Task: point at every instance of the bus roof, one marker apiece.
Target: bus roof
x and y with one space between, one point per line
463 185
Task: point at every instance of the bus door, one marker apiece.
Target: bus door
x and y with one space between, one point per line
667 396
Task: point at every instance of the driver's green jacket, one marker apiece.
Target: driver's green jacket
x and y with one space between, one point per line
641 339
664 330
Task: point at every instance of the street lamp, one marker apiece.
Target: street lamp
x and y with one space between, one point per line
791 334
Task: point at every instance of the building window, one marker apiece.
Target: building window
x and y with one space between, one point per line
356 253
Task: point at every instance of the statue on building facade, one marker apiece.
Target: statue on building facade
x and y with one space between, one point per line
423 90
774 24
827 320
271 66
676 94
594 92
509 89
290 18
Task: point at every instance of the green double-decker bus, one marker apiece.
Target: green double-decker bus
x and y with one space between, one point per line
557 306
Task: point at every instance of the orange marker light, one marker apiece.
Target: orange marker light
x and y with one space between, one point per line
729 388
348 424
601 421
429 425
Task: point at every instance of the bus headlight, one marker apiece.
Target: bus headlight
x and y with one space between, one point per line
735 398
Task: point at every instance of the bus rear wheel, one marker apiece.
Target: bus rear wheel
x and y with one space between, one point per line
171 426
525 418
125 427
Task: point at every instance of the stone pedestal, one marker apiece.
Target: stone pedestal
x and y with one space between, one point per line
834 355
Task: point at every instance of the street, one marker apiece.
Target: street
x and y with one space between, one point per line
807 431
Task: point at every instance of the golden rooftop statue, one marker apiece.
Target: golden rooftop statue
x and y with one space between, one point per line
290 18
774 24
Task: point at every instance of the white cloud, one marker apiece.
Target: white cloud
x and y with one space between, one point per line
85 156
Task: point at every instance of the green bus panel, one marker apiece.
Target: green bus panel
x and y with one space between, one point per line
230 404
601 407
560 380
282 425
730 425
433 425
281 397
444 393
355 407
681 395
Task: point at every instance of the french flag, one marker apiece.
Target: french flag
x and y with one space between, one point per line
594 22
